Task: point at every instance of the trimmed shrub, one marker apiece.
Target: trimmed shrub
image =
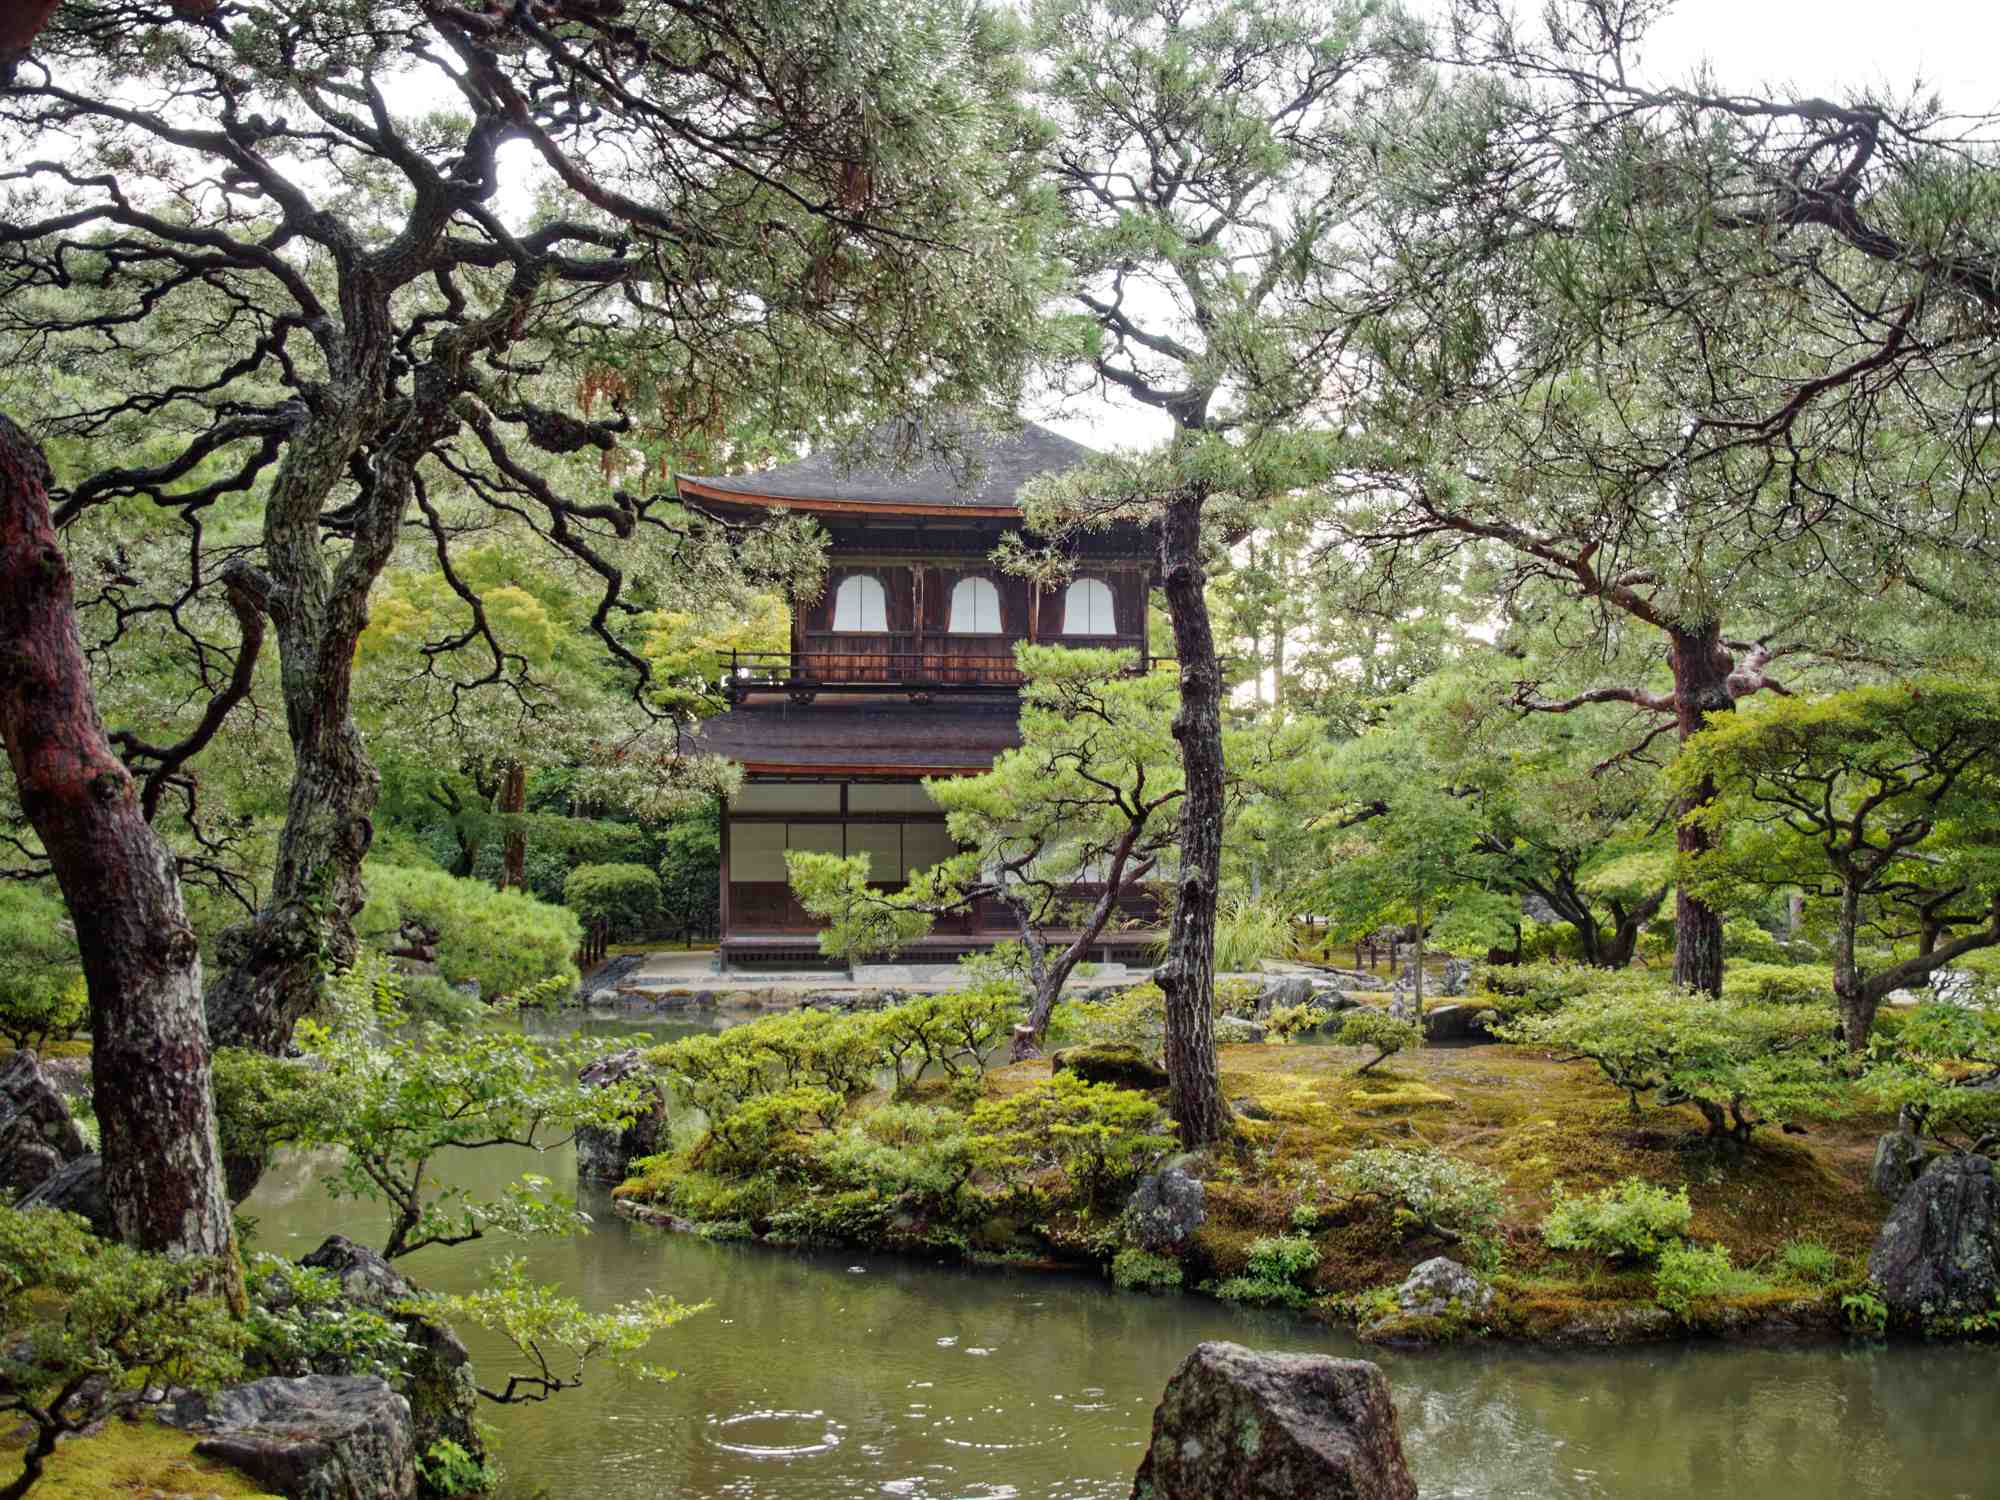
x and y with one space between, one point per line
621 900
1379 1030
1101 1137
507 940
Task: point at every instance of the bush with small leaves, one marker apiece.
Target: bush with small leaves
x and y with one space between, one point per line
1137 1270
1938 1067
1538 987
1427 1191
392 1097
1135 1017
1633 1221
87 1320
1100 1136
912 1155
1779 984
1377 1029
954 1033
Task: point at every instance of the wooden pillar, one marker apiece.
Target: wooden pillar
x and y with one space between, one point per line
722 899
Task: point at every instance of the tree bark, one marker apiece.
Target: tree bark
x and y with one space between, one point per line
514 850
163 1178
1188 977
1701 668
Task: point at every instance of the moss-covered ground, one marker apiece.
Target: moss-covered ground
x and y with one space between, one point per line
127 1460
1534 1121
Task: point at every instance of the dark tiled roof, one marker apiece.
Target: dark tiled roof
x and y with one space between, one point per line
866 732
1005 462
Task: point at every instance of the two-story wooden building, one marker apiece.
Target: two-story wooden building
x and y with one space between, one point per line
902 668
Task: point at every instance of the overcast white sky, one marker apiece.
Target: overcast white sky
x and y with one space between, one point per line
1799 47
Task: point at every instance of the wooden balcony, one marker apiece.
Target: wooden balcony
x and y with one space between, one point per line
894 664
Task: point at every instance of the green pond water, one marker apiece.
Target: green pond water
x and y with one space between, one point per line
834 1375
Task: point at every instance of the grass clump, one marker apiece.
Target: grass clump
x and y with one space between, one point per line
1275 1274
1136 1270
1688 1274
1633 1221
1810 1261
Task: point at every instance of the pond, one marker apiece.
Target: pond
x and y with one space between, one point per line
830 1375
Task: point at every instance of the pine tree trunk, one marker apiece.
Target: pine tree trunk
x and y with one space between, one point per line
514 851
1188 977
274 963
1701 689
163 1178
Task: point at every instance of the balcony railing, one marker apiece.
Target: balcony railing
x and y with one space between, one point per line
943 668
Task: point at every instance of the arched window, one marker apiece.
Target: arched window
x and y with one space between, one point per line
975 607
860 605
1087 609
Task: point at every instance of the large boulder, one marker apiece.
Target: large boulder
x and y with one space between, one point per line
1235 1031
1938 1256
1166 1209
1110 1062
605 1153
1457 976
1442 1287
78 1188
1236 1424
315 1437
37 1136
1900 1159
443 1399
1284 989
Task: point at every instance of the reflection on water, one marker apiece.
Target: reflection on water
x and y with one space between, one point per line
853 1375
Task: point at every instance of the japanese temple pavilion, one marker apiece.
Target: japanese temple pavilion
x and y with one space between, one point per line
901 668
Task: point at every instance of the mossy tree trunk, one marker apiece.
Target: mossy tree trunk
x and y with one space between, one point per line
163 1178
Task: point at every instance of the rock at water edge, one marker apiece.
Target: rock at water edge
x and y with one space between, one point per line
1439 1286
1938 1255
605 1153
316 1437
1165 1210
444 1401
1236 1424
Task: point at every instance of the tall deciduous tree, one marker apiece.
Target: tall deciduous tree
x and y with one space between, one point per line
1713 366
296 211
150 1057
1205 159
